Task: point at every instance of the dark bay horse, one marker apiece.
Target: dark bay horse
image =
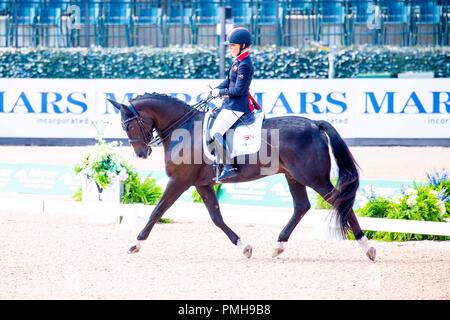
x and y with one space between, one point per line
301 153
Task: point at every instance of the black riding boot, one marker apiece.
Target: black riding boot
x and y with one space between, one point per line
221 153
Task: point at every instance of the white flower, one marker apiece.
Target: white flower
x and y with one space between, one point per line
111 175
103 154
411 201
434 192
442 208
123 175
410 191
397 199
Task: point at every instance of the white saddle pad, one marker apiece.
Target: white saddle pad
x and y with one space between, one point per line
246 138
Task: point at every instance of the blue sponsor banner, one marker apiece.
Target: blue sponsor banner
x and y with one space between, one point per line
271 191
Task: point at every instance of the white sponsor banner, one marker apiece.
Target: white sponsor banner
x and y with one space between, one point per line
358 108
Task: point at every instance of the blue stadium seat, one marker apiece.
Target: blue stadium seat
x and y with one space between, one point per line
429 11
361 10
207 12
117 12
268 12
61 4
148 13
179 14
6 8
397 12
24 20
94 13
5 14
301 6
332 11
50 13
25 12
241 11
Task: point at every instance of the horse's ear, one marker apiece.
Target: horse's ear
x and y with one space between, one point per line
117 105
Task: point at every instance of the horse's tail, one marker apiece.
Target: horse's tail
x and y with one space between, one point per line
343 196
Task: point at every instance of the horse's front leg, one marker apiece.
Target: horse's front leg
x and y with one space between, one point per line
173 191
212 204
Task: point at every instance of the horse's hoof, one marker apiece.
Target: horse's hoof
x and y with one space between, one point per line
248 250
133 249
276 252
371 253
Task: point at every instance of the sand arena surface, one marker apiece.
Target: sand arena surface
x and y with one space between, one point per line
58 256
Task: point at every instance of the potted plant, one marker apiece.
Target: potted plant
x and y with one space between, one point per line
103 173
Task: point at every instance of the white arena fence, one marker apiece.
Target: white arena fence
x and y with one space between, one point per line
135 216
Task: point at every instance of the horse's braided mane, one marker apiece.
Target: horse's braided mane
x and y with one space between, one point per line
159 96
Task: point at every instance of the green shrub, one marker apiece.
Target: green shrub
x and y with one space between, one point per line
440 183
322 203
203 62
137 191
417 203
195 196
78 194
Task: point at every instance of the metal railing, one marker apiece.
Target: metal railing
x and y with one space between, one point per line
161 23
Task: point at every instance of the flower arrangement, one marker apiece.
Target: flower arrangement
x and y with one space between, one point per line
102 164
427 202
440 182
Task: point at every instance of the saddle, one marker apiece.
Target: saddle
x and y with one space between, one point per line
243 138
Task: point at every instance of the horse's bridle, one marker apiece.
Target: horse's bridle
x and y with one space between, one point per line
146 138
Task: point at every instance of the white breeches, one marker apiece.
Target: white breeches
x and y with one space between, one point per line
225 119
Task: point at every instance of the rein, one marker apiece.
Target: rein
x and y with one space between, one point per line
155 139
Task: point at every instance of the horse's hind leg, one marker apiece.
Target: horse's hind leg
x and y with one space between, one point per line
325 190
301 206
210 199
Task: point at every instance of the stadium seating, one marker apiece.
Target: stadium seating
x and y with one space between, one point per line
267 12
241 12
24 20
117 22
426 16
300 24
332 11
281 22
302 7
428 11
148 13
49 22
148 20
178 13
268 22
397 12
5 23
207 12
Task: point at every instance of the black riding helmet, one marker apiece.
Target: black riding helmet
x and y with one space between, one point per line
239 36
